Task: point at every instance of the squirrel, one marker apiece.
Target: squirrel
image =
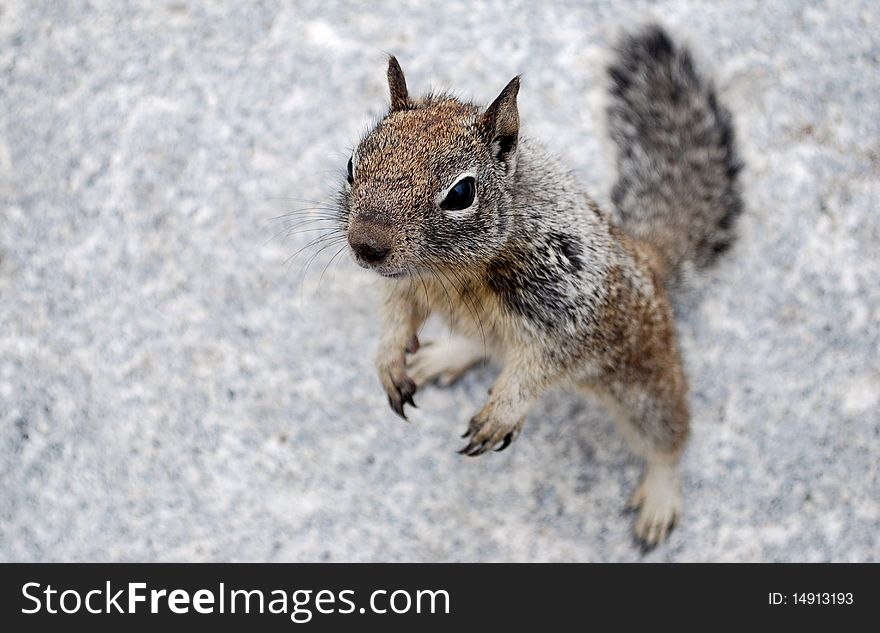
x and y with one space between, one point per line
467 219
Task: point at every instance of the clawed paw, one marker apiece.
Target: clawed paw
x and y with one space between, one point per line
659 502
402 393
486 433
398 385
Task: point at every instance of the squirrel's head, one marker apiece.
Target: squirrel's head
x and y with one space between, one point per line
428 187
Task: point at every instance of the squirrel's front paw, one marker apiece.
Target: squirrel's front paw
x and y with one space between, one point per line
486 431
399 387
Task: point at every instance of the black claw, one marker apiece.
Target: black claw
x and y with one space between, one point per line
403 395
505 443
479 450
397 406
472 427
473 449
466 433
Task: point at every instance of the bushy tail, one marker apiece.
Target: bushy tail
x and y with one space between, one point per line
677 164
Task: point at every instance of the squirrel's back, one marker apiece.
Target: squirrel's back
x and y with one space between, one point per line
677 163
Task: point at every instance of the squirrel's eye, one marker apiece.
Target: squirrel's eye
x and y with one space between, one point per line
350 172
461 196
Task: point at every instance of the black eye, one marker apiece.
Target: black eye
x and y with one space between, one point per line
350 172
461 196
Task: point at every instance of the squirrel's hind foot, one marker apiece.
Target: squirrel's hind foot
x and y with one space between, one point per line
443 361
658 499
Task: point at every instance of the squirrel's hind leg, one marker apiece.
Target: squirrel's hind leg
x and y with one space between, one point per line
652 415
444 360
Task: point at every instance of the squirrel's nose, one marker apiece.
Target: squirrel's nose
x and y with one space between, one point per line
371 249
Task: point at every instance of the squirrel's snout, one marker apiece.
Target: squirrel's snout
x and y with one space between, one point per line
371 244
371 252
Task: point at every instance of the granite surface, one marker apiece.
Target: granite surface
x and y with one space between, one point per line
173 387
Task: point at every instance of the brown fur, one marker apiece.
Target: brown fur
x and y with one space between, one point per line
528 269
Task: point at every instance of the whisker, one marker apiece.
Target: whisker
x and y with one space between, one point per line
305 270
296 219
327 265
294 199
298 231
292 223
453 317
309 212
318 240
470 303
427 295
291 231
411 290
318 252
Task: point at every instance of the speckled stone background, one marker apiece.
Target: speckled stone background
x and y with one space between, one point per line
173 389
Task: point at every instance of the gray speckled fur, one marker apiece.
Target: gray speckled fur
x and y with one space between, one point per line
562 243
172 390
562 296
677 165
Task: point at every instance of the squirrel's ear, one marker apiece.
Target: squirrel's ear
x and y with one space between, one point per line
397 86
499 124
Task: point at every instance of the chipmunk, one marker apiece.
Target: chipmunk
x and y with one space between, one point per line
468 219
